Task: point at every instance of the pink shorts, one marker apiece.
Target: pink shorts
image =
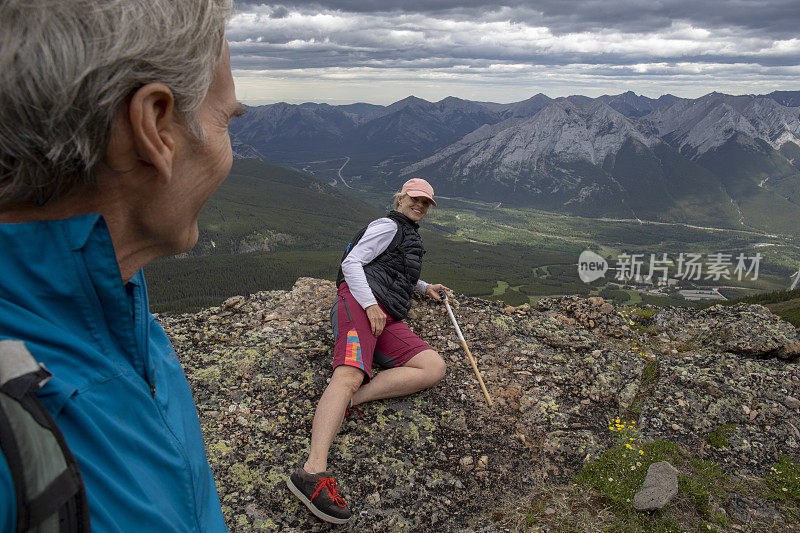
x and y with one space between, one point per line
357 346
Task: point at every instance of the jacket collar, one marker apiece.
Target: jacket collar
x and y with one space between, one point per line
62 293
397 215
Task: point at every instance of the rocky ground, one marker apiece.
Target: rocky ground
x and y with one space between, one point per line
560 374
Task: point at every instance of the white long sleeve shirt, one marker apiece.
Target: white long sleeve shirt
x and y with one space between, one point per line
376 239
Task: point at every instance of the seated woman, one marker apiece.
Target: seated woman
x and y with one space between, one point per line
376 281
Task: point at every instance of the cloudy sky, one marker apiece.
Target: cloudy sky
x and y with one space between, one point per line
345 51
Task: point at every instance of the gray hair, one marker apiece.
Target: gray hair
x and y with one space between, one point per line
68 66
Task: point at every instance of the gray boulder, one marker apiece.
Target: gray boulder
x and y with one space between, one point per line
659 487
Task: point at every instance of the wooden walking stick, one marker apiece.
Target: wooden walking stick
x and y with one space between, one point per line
443 294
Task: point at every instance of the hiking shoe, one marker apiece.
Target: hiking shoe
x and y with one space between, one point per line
318 493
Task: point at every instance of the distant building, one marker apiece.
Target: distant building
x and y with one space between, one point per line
702 294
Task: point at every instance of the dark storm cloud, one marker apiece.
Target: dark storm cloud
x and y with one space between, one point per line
476 43
776 18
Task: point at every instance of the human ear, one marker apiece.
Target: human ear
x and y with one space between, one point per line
154 124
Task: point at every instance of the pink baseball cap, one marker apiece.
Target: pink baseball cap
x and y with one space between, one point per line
418 187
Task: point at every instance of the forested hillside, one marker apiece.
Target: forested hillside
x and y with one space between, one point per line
267 225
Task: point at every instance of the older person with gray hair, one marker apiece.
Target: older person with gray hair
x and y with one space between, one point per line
113 134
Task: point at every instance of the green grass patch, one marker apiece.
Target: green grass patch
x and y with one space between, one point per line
650 329
647 385
650 374
642 320
601 496
620 471
646 314
719 437
500 289
684 346
784 482
705 481
618 474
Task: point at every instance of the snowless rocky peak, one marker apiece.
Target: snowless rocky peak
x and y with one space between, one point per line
443 110
709 122
566 128
452 103
526 108
412 102
590 130
631 104
281 120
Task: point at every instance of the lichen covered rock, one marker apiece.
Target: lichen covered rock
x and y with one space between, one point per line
439 460
751 330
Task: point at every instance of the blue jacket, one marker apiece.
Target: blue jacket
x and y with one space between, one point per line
118 393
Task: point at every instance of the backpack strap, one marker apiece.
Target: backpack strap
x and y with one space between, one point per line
48 486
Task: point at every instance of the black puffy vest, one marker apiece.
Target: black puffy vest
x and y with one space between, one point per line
393 275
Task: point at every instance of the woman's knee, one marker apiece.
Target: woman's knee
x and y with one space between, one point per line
348 378
439 368
433 365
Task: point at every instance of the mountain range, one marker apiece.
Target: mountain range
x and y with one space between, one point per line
721 160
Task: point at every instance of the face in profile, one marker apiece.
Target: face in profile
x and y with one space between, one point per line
206 163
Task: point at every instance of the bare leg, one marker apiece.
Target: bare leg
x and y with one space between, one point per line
329 415
424 370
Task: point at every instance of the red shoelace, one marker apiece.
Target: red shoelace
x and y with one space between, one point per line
330 484
357 410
